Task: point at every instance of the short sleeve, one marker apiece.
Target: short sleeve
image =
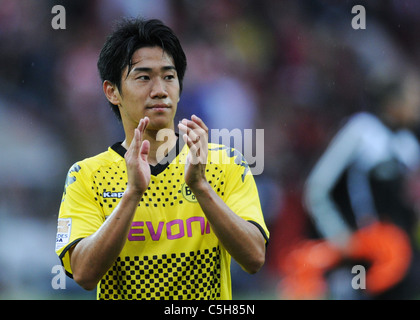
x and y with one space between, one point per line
79 215
241 193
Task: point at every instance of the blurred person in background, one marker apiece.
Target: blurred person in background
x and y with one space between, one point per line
357 197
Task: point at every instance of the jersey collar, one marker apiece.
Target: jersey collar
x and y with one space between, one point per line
160 167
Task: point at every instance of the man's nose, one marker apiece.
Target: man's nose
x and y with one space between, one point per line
158 89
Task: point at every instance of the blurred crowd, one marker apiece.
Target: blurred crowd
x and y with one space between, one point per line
295 68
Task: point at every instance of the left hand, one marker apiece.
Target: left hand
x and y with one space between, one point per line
196 137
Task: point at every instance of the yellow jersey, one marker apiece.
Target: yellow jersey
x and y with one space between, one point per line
171 251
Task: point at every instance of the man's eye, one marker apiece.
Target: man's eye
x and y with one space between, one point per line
142 78
169 77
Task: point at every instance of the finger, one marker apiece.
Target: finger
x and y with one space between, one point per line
194 135
190 143
133 149
135 143
193 130
190 133
190 124
185 138
144 150
182 127
143 123
199 122
146 122
138 135
185 126
195 150
192 154
197 126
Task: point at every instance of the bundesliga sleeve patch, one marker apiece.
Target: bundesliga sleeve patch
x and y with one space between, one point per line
63 233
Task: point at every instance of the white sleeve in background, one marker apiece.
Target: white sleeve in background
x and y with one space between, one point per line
323 178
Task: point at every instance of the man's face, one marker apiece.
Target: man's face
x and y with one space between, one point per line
151 89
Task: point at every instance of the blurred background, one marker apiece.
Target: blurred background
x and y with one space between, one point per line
295 68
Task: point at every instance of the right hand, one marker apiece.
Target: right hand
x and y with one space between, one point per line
138 169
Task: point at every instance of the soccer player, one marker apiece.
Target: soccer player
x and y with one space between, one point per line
160 214
359 183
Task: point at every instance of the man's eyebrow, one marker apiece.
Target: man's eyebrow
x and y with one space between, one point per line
146 69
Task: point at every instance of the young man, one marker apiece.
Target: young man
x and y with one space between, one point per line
157 216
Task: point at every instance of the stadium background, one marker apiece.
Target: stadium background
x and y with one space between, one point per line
294 68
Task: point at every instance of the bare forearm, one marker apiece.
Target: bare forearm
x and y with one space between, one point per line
241 239
93 256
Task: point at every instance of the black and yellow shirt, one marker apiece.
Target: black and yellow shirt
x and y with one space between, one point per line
171 251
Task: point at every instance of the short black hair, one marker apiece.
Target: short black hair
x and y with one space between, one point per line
129 35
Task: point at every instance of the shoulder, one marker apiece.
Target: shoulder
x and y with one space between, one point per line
363 120
230 158
224 153
360 125
92 164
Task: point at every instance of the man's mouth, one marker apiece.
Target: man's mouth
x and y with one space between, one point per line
159 107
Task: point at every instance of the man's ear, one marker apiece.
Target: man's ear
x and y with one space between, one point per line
111 92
